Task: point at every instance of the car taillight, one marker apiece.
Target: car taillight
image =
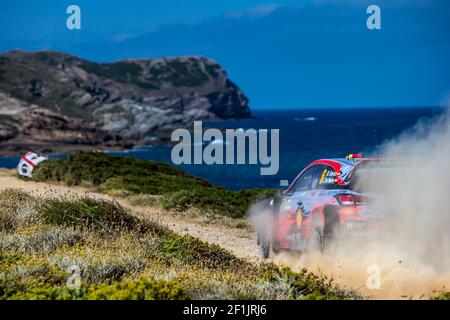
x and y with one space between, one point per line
346 200
352 199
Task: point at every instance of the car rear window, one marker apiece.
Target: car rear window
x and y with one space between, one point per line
369 174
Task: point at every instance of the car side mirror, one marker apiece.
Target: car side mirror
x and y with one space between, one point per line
284 185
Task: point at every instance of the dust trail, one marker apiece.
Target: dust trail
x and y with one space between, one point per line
413 252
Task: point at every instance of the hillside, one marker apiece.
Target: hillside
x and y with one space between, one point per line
119 104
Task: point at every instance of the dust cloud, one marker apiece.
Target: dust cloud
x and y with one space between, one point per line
412 252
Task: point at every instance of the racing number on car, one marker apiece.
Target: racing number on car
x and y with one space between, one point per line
323 176
328 176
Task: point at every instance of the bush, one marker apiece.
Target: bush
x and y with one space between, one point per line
305 284
45 238
192 251
16 208
142 289
43 292
95 168
88 213
442 296
126 176
214 200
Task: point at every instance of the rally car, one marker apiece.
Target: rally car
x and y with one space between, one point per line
324 199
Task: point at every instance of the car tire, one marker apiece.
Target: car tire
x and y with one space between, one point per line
275 250
316 243
266 247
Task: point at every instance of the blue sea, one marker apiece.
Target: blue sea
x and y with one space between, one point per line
305 135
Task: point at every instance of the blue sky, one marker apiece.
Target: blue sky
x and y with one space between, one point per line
283 54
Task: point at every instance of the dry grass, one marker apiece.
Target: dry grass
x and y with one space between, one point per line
42 242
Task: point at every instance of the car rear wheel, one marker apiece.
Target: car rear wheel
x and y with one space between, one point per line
316 243
266 246
264 249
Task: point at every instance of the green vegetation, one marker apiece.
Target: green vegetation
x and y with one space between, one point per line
81 248
177 73
87 213
121 71
47 58
6 118
182 75
213 70
29 86
442 296
126 176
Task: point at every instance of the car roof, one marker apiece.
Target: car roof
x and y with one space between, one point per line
336 162
349 162
342 165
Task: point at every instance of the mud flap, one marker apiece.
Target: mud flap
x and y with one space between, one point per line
331 225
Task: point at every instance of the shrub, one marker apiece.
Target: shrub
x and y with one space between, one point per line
214 200
192 251
16 208
96 168
142 289
126 176
43 292
102 263
305 285
86 212
44 238
20 273
441 296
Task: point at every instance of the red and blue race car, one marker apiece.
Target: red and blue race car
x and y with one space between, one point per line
324 199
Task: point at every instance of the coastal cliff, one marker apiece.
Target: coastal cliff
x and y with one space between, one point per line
53 101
